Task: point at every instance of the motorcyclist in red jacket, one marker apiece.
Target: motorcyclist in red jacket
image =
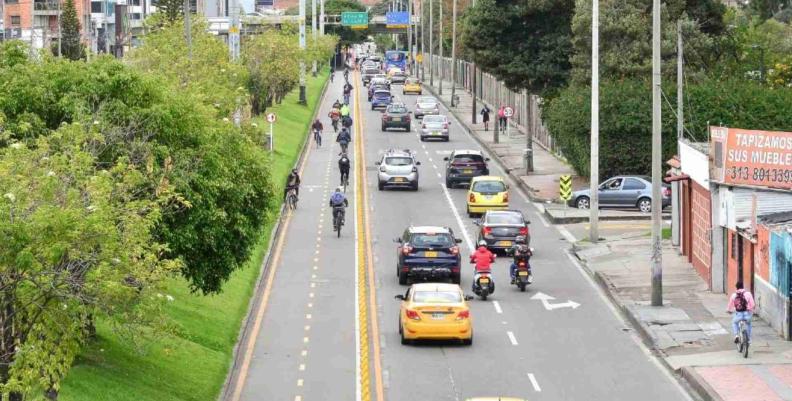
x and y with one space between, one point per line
482 258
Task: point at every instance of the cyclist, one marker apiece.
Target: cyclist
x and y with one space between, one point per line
335 115
742 304
317 128
292 182
339 202
343 167
337 104
344 110
346 73
347 92
343 139
346 122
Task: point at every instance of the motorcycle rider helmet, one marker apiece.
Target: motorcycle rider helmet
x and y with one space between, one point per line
520 239
482 243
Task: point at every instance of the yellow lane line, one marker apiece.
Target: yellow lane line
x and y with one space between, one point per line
262 305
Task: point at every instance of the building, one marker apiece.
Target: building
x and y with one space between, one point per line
36 21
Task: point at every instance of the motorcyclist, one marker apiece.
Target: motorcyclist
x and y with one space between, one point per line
293 181
343 167
339 202
483 260
343 139
521 253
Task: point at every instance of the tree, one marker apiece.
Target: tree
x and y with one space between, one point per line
171 10
526 44
272 61
71 48
13 52
766 9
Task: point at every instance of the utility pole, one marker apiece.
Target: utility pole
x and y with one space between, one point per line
473 86
529 132
233 31
594 168
302 100
440 72
453 53
313 31
188 28
680 82
321 17
431 43
657 251
411 62
60 32
423 41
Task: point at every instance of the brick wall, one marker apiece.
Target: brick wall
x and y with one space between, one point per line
700 226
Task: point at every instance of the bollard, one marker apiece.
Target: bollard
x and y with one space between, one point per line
455 101
527 160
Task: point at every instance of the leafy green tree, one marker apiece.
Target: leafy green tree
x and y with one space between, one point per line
526 44
13 52
71 47
272 60
766 9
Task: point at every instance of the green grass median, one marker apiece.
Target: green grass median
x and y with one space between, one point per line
191 363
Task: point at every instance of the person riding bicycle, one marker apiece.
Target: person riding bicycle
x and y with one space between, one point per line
344 111
335 115
521 252
337 104
292 182
339 202
346 122
343 167
344 138
347 92
317 126
742 304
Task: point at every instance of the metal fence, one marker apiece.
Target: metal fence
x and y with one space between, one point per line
494 93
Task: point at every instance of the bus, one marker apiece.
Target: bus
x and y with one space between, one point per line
396 58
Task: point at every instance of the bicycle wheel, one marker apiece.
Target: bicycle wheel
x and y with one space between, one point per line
744 343
292 201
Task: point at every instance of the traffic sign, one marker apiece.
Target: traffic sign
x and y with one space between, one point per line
419 58
271 118
565 187
508 112
354 19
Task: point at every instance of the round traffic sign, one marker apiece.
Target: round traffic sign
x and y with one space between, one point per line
271 117
508 112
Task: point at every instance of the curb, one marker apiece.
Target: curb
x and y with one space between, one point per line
226 391
704 390
585 219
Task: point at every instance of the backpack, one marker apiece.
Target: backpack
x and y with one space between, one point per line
740 303
337 199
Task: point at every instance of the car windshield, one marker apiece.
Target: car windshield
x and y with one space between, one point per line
438 297
434 119
411 81
489 187
382 94
504 218
426 100
398 161
468 158
371 71
397 109
432 240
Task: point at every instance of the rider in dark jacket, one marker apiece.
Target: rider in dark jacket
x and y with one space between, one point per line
521 252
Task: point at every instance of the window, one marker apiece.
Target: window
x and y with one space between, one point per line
613 184
398 161
135 16
489 187
468 158
16 20
734 240
505 218
632 183
432 240
12 1
96 7
442 297
134 2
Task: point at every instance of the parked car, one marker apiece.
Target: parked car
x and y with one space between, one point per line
396 115
398 168
435 127
487 192
412 85
426 105
431 311
627 191
500 228
381 98
428 253
463 165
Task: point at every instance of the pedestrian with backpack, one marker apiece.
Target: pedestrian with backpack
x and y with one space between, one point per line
742 305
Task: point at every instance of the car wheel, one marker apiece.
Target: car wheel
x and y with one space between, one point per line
372 107
415 186
449 183
645 205
423 139
583 202
402 277
404 341
456 278
380 185
400 326
384 128
468 341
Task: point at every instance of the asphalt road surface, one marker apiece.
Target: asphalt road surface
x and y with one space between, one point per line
314 334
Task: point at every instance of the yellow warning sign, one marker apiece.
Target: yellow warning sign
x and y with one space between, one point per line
419 58
565 187
233 29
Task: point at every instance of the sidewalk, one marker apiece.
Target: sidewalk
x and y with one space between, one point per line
542 183
691 332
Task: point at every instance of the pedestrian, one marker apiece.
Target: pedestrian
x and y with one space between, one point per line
502 118
485 112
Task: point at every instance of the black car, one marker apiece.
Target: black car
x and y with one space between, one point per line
499 228
396 115
428 254
463 165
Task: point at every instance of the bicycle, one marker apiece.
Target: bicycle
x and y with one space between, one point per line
345 180
344 147
334 123
346 98
291 199
338 219
318 138
332 76
744 341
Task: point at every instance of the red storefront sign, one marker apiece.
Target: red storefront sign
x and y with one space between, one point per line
750 157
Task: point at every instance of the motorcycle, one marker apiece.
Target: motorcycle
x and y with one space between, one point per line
522 276
483 284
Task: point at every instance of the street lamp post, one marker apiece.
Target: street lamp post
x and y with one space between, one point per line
453 53
302 100
431 43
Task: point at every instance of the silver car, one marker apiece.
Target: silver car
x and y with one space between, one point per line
629 191
435 127
398 168
426 105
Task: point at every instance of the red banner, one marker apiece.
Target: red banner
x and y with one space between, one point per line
750 157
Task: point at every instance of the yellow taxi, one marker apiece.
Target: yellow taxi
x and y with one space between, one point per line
495 399
435 311
412 85
487 192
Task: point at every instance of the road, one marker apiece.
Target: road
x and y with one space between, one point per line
326 326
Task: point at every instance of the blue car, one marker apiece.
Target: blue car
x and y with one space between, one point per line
381 98
428 254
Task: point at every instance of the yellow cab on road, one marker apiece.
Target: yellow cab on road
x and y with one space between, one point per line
435 311
412 85
495 399
487 192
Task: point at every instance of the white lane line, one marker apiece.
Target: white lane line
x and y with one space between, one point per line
497 306
454 210
297 398
566 234
439 176
534 383
512 339
430 159
304 353
543 220
299 382
302 367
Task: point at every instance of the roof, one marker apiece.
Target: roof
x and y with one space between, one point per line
430 229
776 218
398 152
488 178
466 151
436 287
741 206
503 212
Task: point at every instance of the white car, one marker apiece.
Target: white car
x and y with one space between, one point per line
426 105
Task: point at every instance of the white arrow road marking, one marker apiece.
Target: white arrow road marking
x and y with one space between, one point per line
534 383
546 302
